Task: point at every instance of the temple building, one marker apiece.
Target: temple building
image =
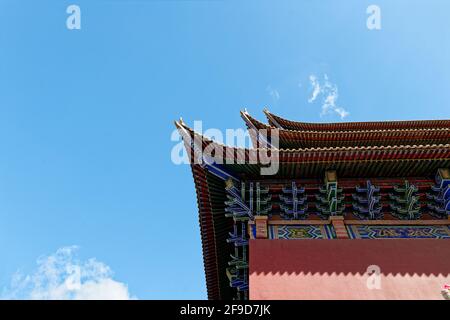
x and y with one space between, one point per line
356 210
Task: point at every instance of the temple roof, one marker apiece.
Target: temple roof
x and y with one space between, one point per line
294 163
279 122
348 161
289 138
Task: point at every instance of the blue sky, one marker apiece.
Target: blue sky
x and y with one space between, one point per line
86 115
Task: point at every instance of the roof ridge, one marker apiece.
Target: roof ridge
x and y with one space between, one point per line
342 148
277 118
268 126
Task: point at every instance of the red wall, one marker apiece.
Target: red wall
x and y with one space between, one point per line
336 269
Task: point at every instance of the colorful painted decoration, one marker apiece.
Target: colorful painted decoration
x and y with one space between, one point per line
398 232
440 195
405 203
330 197
367 204
293 204
243 210
298 232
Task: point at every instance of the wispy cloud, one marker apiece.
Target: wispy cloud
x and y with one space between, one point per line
61 276
329 93
273 93
316 88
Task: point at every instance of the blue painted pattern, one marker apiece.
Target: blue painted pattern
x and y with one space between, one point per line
301 232
398 232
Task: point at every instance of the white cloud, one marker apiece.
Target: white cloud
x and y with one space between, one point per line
329 93
61 276
316 88
342 113
273 93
